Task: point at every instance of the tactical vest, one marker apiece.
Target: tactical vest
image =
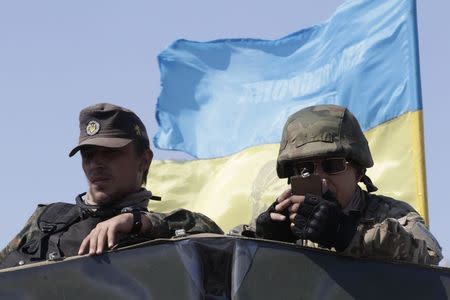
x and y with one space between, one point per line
54 239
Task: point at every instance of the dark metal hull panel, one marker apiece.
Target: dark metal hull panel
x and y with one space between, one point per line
220 267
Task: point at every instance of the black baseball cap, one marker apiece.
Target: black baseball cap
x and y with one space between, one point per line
111 126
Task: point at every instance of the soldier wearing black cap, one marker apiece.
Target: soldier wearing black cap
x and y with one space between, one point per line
116 157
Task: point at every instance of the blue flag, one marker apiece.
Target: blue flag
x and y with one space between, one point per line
223 96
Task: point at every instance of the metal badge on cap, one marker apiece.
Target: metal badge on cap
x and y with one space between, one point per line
138 130
92 127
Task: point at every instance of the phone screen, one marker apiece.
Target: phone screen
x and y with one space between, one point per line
302 185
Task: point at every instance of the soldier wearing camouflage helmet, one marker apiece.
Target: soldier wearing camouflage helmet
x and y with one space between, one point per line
327 140
116 157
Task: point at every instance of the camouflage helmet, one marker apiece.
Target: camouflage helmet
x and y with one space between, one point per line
322 131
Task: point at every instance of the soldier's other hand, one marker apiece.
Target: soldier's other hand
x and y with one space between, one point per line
273 223
106 234
287 204
296 202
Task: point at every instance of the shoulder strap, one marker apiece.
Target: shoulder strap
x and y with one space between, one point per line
58 216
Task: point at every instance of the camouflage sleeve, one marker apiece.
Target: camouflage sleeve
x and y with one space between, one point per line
21 237
164 225
405 239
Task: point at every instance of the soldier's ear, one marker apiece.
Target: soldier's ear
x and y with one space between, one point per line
146 159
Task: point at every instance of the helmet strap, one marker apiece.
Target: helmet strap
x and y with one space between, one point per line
368 183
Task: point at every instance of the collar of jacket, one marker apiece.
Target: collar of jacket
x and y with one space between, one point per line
357 203
138 199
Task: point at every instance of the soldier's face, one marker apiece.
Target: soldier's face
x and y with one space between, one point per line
338 176
342 185
112 173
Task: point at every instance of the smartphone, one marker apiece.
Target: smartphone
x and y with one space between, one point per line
302 185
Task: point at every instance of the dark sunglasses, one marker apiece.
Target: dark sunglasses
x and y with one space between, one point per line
330 166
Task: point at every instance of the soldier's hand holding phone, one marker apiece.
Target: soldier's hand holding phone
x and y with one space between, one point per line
316 219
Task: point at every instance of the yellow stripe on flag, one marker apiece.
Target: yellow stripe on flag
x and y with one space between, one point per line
230 190
235 189
399 170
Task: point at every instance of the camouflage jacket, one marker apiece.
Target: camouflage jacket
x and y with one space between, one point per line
392 229
164 225
388 229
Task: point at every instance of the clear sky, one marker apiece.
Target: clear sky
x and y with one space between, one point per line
57 57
